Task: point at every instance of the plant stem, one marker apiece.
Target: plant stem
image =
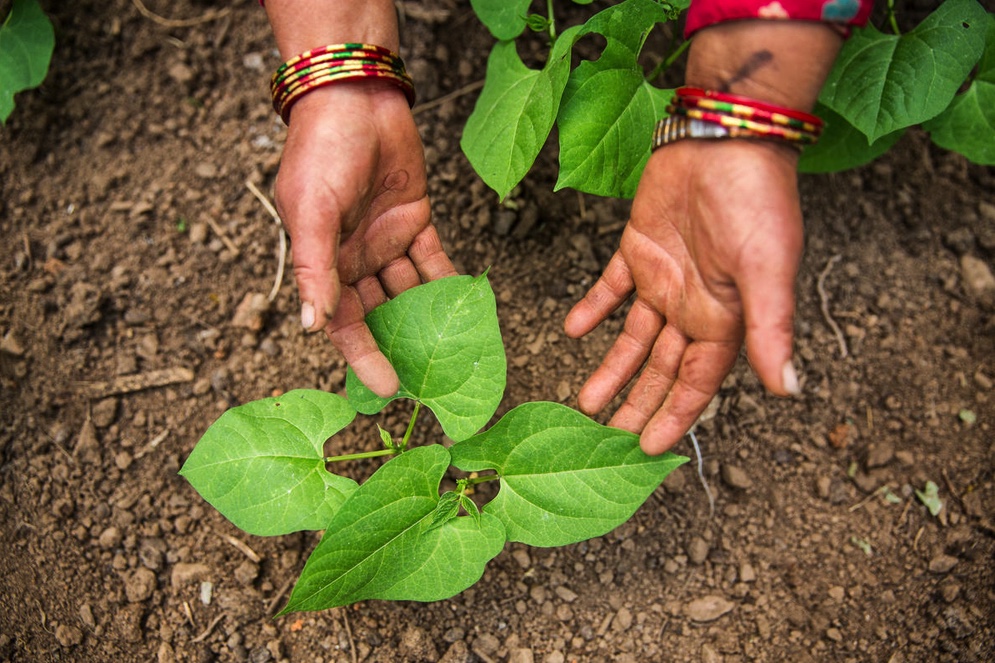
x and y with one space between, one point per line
892 19
472 481
552 22
669 60
364 454
411 426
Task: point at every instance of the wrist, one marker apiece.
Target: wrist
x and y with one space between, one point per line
301 25
780 62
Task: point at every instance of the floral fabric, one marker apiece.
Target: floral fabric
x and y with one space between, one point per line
844 13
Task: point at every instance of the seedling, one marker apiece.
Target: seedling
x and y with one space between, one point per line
563 477
605 109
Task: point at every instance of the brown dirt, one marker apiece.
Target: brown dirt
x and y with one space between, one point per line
130 238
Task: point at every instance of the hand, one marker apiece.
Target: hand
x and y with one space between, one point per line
352 193
711 251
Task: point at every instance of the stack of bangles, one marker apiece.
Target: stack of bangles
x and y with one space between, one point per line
697 113
335 63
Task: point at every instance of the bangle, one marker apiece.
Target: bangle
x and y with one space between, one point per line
697 113
332 64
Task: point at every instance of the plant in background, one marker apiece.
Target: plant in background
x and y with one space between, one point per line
605 109
562 477
26 44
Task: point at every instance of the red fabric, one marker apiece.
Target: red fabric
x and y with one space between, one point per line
846 13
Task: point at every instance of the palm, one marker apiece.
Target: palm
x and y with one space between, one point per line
711 252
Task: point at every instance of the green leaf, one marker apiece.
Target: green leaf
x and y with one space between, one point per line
504 18
470 507
262 464
381 543
564 477
444 341
930 497
842 146
609 110
515 113
26 44
967 126
446 509
882 83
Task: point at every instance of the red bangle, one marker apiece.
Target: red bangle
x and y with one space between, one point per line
759 107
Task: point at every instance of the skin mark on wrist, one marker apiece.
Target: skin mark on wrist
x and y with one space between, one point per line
754 63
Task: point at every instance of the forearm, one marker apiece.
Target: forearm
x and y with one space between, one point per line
300 25
780 62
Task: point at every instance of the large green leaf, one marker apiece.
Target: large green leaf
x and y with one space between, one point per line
504 18
608 110
384 544
968 125
842 146
444 341
564 477
262 466
26 44
514 113
882 83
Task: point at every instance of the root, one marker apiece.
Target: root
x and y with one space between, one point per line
824 305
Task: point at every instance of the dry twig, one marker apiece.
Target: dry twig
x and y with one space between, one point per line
242 547
207 631
207 17
824 305
348 632
282 260
224 238
126 384
279 594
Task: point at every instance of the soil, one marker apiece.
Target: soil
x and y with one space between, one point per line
130 239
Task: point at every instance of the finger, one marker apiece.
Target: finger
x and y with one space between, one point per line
702 370
606 295
429 257
349 333
768 311
398 276
315 251
627 355
654 383
371 293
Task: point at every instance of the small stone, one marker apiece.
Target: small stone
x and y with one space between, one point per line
166 653
942 564
416 645
834 634
104 412
555 656
457 653
736 477
842 435
622 621
123 460
247 572
950 592
837 593
708 608
674 483
11 345
983 381
139 585
880 454
823 485
251 311
110 538
454 634
521 655
709 655
978 279
747 573
205 170
68 636
86 616
521 555
185 573
960 240
486 645
566 594
697 550
180 73
197 232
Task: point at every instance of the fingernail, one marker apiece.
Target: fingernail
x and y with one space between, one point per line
307 315
789 379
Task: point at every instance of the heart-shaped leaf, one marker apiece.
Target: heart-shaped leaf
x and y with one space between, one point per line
564 477
504 18
444 341
842 146
882 83
26 44
262 464
386 542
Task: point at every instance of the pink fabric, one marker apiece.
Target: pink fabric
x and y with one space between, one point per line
844 13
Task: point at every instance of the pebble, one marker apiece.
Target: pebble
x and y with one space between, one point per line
12 345
251 311
942 564
747 573
185 573
566 594
837 593
709 655
110 538
68 636
486 645
834 634
736 477
139 585
521 655
880 454
950 592
197 233
622 621
708 608
697 550
521 555
247 572
457 653
978 279
86 616
555 656
104 412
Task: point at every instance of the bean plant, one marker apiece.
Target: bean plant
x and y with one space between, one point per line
26 44
562 477
940 75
